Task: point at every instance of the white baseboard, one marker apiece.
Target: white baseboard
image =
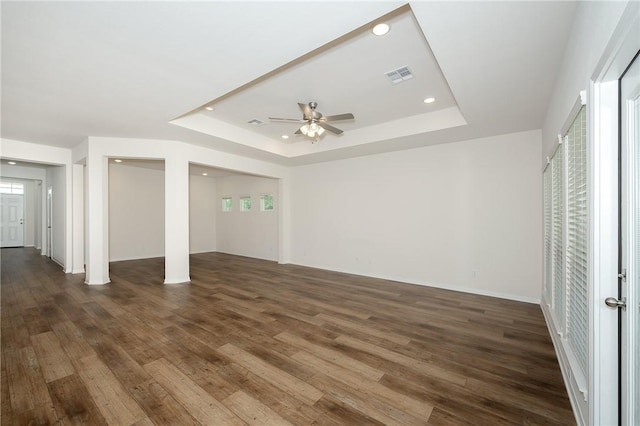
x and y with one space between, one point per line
577 397
443 286
122 259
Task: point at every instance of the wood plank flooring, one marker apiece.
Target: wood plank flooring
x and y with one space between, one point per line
254 342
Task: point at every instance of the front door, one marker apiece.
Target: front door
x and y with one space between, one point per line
630 245
12 220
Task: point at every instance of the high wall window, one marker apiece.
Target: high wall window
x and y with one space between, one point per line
227 204
11 188
245 203
566 244
266 202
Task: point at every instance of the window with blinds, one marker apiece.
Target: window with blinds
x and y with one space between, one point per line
577 244
566 243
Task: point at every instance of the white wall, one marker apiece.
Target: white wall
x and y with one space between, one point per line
593 25
465 216
56 180
253 233
136 212
202 214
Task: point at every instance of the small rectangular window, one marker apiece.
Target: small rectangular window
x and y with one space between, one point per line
266 202
245 204
11 188
226 204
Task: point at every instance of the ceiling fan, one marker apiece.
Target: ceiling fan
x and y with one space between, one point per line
315 122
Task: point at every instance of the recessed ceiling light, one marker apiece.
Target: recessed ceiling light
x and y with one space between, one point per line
117 160
285 136
13 163
429 100
205 174
381 29
209 108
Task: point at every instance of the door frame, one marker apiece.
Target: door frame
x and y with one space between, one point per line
604 221
625 318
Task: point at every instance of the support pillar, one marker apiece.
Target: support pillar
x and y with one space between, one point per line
97 220
176 226
78 219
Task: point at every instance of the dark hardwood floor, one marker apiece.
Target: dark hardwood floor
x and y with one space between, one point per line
254 342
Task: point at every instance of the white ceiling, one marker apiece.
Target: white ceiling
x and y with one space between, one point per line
128 69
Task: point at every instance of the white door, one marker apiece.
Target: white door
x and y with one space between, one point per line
12 220
49 221
630 245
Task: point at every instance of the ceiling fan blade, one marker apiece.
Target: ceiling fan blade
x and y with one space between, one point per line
330 128
298 132
287 120
306 110
338 117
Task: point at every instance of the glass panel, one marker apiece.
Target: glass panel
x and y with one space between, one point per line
245 204
11 188
17 188
5 187
266 202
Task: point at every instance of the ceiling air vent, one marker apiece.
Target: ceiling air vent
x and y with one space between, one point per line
399 75
255 122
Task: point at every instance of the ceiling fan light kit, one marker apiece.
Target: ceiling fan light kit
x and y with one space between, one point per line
312 129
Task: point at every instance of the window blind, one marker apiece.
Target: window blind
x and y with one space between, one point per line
557 194
548 235
577 243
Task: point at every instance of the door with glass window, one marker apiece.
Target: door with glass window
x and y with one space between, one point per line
11 220
629 297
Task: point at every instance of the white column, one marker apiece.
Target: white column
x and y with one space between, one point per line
176 225
284 221
78 219
97 220
68 219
